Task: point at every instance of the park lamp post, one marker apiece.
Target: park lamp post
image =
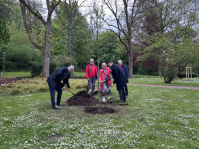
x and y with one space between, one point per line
4 53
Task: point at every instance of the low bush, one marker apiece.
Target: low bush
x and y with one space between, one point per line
36 69
35 85
183 75
53 67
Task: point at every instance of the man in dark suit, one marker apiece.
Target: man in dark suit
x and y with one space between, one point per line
126 72
119 79
56 81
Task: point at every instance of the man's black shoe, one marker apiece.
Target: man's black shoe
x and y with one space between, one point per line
56 108
61 105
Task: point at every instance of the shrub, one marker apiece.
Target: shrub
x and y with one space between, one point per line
183 75
15 92
53 67
36 69
169 72
61 60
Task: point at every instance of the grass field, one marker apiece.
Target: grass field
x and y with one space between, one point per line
155 118
156 80
16 74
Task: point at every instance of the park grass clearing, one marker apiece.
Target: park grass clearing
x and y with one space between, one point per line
156 80
155 118
16 74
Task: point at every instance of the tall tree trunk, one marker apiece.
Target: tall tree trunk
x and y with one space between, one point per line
46 52
160 68
130 58
69 40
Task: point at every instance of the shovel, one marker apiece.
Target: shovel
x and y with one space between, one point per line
70 91
88 87
106 93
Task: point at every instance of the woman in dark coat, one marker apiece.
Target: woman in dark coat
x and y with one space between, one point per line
119 79
56 81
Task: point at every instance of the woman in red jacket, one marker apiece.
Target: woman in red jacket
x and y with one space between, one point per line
105 74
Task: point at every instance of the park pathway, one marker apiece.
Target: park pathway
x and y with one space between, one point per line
180 87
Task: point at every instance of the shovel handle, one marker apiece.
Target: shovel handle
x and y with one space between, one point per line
69 89
109 87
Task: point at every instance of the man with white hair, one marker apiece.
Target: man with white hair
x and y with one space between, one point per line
125 70
91 75
56 81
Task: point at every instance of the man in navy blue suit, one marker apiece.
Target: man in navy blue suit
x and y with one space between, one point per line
56 81
119 79
126 72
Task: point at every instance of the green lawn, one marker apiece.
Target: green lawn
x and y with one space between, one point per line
16 74
155 118
139 79
156 80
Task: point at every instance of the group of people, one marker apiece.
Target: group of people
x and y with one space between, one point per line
118 72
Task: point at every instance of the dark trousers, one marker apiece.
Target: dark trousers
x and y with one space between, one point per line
52 94
91 81
122 94
126 90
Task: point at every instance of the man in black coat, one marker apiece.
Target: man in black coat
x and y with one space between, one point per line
56 81
119 78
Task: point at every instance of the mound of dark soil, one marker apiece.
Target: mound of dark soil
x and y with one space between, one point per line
82 99
95 110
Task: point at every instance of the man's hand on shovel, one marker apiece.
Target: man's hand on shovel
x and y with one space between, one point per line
70 91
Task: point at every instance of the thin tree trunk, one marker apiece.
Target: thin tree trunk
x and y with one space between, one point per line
160 68
69 40
69 15
46 53
130 58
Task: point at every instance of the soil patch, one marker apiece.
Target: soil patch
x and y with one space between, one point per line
82 99
56 137
95 110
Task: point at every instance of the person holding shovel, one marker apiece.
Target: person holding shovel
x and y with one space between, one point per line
56 81
119 79
105 79
125 70
91 75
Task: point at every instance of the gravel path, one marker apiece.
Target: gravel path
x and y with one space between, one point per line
181 87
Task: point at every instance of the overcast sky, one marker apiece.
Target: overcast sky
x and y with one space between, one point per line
84 10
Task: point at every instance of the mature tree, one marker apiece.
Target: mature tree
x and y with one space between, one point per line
69 15
5 20
165 15
96 23
125 13
175 52
26 8
110 48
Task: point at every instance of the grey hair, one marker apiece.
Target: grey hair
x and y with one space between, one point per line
71 67
104 64
91 59
120 61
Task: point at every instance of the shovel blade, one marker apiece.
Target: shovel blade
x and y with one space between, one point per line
87 87
104 94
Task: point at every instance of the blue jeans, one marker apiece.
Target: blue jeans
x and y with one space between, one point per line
122 94
52 94
104 89
91 80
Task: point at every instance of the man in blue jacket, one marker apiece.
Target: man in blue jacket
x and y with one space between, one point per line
119 79
56 81
126 72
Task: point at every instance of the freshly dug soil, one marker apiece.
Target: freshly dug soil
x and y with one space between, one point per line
82 99
95 110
